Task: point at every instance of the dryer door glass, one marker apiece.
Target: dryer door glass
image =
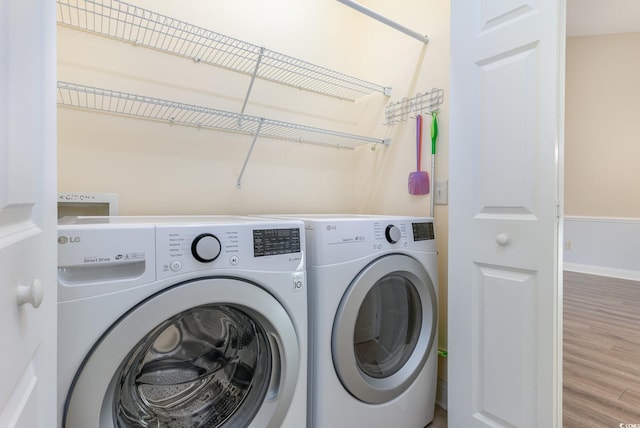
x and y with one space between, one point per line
208 366
387 327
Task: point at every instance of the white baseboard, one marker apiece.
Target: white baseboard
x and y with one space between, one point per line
602 246
441 394
603 271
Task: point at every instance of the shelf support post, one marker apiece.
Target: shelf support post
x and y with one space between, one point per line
253 79
246 160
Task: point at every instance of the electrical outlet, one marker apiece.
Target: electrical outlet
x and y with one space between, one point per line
441 192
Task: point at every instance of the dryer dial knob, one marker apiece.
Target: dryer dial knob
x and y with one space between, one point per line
205 248
392 233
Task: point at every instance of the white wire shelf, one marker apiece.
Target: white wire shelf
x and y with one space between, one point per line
129 23
139 106
427 102
109 101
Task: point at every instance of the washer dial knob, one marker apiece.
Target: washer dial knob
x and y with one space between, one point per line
392 233
205 248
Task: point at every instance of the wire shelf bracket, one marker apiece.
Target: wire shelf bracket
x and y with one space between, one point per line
141 27
427 102
246 159
139 106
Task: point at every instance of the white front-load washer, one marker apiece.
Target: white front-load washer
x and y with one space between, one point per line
182 322
373 318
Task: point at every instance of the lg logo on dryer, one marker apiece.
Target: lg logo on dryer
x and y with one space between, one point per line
68 240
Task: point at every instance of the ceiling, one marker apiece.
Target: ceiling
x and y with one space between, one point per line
591 17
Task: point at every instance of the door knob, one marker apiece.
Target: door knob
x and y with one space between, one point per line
502 239
32 294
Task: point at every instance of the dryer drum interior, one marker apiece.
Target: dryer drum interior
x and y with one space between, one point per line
387 327
196 368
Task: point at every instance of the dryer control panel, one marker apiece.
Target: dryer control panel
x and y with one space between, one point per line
393 233
334 240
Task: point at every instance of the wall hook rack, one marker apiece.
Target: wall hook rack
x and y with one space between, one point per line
427 102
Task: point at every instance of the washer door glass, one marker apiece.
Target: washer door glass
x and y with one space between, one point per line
195 369
208 352
384 328
387 326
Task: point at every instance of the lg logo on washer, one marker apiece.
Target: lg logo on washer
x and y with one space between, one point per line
62 240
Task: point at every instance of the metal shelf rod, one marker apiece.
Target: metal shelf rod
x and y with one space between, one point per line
375 15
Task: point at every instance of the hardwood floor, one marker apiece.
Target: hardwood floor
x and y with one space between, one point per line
601 364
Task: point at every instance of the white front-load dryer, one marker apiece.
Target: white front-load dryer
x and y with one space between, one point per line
182 322
373 316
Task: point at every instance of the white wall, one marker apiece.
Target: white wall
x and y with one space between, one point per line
602 196
602 126
174 169
156 168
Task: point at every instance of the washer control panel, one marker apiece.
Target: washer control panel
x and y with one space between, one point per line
116 253
196 247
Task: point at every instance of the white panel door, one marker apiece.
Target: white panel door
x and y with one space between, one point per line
507 59
27 214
